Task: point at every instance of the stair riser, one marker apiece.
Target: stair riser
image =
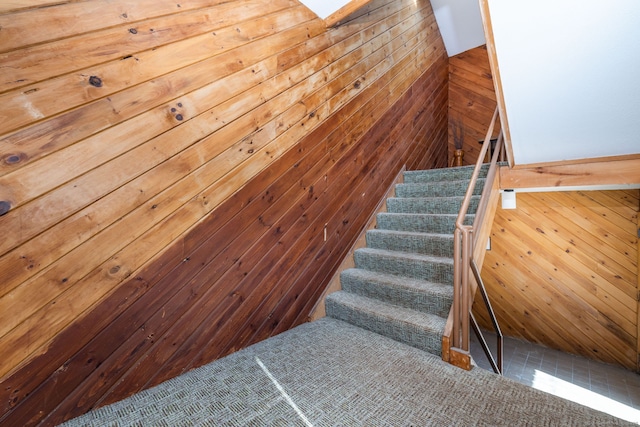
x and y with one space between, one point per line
439 175
389 327
427 302
431 271
420 224
437 189
420 244
444 205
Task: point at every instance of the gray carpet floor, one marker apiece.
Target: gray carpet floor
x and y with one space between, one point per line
330 373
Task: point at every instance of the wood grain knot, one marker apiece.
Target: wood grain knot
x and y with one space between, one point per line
133 31
357 84
4 207
179 117
95 81
12 159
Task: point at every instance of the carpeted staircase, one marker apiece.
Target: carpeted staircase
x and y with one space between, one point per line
402 283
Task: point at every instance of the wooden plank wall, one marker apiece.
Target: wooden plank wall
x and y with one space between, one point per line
563 272
472 101
178 181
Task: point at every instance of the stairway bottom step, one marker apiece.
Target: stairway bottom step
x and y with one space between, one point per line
415 294
420 330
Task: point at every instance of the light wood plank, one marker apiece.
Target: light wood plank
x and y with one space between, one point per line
579 324
61 20
615 172
614 208
36 101
593 296
621 240
545 249
15 5
558 230
24 66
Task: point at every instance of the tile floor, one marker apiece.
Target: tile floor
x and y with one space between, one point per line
601 386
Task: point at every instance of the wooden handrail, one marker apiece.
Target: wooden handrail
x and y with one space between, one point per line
465 239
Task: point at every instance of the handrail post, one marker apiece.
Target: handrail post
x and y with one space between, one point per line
457 281
465 297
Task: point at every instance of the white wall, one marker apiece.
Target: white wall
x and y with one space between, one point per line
460 24
570 73
324 8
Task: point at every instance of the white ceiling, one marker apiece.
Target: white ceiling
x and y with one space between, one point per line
570 75
460 24
324 8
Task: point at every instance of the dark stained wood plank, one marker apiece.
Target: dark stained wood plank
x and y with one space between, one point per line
472 101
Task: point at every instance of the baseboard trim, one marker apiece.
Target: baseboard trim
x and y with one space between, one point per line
334 285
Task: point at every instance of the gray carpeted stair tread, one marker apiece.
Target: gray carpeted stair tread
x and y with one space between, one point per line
420 330
423 223
418 266
445 174
401 286
416 294
409 241
430 205
437 189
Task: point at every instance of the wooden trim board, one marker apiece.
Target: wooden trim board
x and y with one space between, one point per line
348 262
609 173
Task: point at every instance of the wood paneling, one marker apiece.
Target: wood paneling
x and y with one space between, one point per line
472 101
169 173
563 272
345 11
